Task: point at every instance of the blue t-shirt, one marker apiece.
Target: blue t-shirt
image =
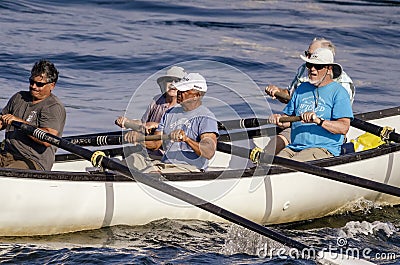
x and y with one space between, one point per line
194 123
330 102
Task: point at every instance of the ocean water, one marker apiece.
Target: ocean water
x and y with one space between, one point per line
109 54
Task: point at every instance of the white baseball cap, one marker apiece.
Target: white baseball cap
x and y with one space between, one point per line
324 56
192 81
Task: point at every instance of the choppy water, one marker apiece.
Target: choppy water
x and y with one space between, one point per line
105 50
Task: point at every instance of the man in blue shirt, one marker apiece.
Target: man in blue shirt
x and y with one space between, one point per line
192 129
325 110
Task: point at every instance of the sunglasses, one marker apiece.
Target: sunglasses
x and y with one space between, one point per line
38 84
316 66
171 80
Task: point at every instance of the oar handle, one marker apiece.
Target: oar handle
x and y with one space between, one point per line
157 137
289 118
282 95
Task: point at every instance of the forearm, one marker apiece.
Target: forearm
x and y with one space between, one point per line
153 145
340 126
206 147
48 130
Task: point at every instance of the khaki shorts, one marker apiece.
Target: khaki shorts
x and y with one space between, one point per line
149 165
7 160
306 154
286 133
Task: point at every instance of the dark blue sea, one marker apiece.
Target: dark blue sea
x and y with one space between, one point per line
109 54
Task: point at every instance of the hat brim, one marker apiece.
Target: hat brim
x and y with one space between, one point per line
182 87
337 68
163 79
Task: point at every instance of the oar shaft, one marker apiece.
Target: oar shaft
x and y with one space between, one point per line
228 124
111 140
315 170
252 122
97 140
115 138
374 129
337 176
162 186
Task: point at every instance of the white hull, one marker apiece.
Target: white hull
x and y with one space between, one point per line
36 203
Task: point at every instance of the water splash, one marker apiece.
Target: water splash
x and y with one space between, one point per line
361 205
354 228
244 241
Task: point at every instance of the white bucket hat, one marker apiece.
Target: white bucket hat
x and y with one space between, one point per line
192 81
175 73
324 56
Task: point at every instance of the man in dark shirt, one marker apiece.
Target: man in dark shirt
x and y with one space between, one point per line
37 107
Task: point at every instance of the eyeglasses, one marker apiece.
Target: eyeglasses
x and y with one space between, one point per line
316 66
38 84
307 54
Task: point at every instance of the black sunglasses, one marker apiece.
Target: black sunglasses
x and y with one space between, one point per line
316 66
38 84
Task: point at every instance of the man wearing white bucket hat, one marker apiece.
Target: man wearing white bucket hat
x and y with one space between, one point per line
277 143
192 129
325 109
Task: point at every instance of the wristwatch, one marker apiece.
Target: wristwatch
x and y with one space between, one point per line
321 121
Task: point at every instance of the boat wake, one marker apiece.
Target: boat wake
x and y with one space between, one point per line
354 228
361 205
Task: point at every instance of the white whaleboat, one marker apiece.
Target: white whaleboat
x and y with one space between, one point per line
70 198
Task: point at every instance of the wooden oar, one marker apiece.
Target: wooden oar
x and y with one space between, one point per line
155 182
305 167
282 95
